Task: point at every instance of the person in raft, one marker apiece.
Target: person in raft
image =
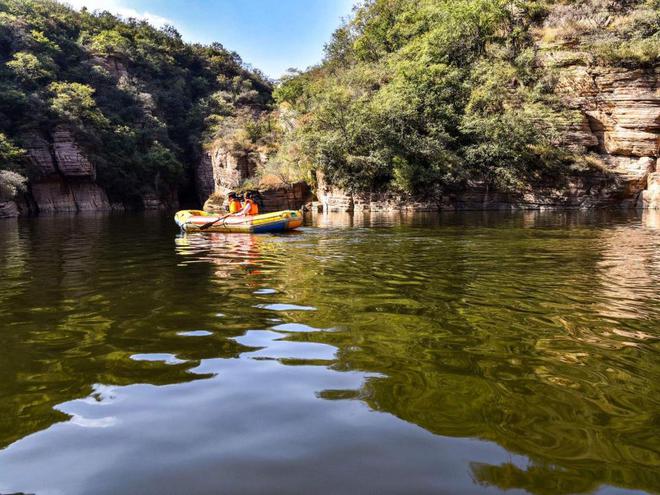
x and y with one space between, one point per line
234 203
250 206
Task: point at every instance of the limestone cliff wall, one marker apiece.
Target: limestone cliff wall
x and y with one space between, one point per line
64 177
221 170
286 197
620 109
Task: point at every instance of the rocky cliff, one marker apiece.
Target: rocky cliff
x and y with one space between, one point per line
620 110
617 122
100 112
221 170
64 177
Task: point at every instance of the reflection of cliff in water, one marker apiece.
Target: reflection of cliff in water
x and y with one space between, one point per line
537 479
629 268
96 296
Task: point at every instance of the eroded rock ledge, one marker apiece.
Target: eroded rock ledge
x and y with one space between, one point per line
221 171
64 179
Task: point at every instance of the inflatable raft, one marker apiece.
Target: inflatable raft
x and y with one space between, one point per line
279 221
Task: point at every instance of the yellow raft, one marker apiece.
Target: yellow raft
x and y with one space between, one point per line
279 221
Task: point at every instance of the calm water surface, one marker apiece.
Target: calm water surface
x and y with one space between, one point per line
452 354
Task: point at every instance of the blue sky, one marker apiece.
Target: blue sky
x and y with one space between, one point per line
272 35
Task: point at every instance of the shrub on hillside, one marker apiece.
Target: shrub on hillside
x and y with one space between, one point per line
10 184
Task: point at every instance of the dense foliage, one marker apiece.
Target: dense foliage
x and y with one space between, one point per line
425 96
623 33
139 99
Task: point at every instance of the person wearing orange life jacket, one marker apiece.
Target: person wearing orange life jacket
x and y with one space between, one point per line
250 206
234 203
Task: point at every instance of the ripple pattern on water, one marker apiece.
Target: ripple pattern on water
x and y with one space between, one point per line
467 353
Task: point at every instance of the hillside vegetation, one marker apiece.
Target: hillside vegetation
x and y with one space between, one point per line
138 99
421 97
426 96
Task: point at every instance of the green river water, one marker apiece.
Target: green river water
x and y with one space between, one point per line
447 354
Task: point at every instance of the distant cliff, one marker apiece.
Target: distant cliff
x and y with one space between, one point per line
418 104
99 112
473 104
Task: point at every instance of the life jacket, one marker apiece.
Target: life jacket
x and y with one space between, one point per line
234 206
254 209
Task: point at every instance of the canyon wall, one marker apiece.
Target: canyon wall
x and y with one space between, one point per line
617 121
620 112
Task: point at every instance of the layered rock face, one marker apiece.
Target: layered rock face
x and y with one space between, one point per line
286 197
622 107
65 178
577 193
221 171
621 110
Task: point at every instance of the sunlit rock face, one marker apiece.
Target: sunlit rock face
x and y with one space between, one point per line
221 170
621 110
231 167
622 107
286 197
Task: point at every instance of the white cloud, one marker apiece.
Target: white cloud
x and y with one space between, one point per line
116 7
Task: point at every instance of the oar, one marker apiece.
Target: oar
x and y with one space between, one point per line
207 225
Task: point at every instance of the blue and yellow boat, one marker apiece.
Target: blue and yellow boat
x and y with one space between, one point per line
201 221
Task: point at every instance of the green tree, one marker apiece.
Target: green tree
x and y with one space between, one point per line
30 68
74 102
108 43
11 156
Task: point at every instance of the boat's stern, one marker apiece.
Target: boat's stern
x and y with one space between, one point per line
295 219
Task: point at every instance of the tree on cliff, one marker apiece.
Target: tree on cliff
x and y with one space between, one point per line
426 96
